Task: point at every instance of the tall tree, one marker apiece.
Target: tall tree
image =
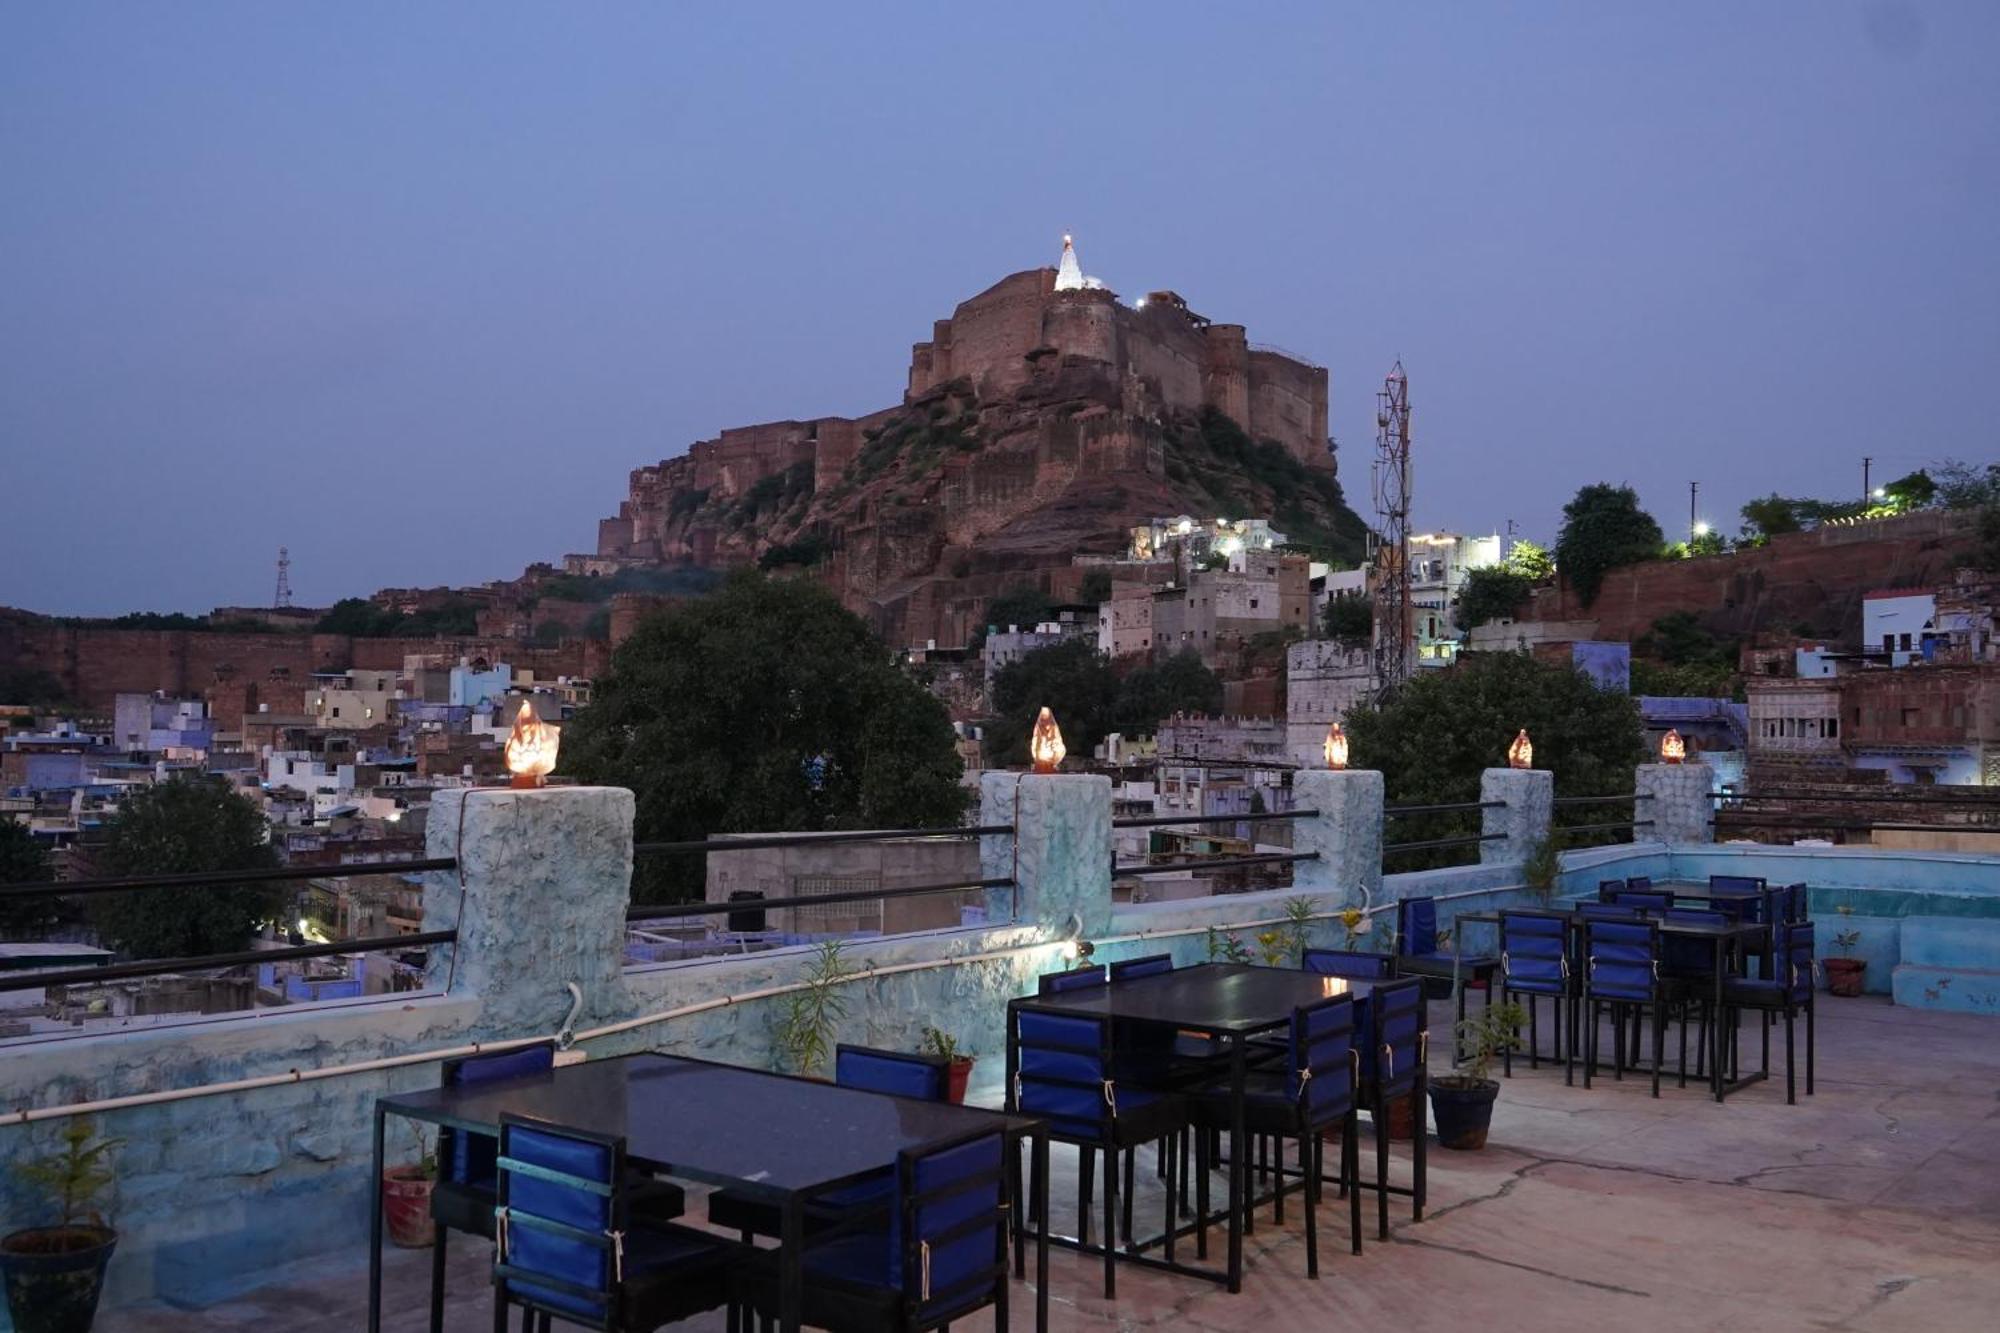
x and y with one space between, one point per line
765 707
187 824
1438 733
1604 527
1493 593
22 861
1350 618
1152 694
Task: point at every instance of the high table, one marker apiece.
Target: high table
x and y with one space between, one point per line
767 1136
1227 1002
1721 941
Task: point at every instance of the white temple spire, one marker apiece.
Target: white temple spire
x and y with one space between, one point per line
1069 274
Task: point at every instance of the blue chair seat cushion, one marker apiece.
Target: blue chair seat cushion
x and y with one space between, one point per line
849 1284
1268 1106
1753 992
673 1273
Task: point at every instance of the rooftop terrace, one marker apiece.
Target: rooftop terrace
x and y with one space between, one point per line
1873 1205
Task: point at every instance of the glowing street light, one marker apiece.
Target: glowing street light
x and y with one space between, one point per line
1701 529
531 748
1521 754
1673 749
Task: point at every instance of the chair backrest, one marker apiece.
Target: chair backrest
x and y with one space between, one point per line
1534 952
1398 1033
1350 963
1607 911
1150 966
1684 955
1320 1063
1639 882
1077 978
1621 959
1738 884
947 1250
1417 927
1607 888
1797 906
898 1073
1062 1073
1645 900
560 1219
467 1158
1794 950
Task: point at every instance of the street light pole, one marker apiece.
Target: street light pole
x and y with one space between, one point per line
1693 488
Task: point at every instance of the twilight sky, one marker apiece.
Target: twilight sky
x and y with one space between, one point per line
410 289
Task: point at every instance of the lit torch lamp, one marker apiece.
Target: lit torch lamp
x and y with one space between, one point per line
1521 754
1336 747
1046 746
531 748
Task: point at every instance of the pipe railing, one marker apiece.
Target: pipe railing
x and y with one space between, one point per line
669 911
754 841
1392 810
204 879
1164 821
1611 827
1217 863
1470 840
161 967
1604 800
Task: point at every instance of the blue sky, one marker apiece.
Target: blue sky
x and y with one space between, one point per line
409 289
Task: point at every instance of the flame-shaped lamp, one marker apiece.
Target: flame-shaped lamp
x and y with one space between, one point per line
1336 747
1673 750
531 748
1521 754
1046 745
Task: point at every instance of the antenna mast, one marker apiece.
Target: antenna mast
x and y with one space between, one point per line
1392 511
283 597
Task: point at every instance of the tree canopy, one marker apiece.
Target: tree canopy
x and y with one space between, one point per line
1076 683
1492 593
1350 618
1437 734
187 824
363 619
22 861
766 707
1603 527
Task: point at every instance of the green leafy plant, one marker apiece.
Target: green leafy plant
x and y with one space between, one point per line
812 1012
1298 926
1273 945
938 1042
427 1162
1544 864
77 1176
1225 947
1484 1036
1358 925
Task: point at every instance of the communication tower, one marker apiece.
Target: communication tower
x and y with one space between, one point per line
1392 513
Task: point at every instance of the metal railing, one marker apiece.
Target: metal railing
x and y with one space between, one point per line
160 967
1443 808
1164 821
1425 844
1218 863
650 912
1604 800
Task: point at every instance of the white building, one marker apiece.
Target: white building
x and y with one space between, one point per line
1439 563
1323 679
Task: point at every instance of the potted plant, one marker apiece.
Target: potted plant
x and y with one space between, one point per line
1462 1102
1843 973
943 1045
406 1196
1226 948
812 1012
54 1274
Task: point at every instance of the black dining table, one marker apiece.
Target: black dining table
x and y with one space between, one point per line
1721 940
769 1137
1229 1003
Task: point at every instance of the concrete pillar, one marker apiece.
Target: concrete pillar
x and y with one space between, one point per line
1060 854
1347 833
1680 808
1530 795
539 898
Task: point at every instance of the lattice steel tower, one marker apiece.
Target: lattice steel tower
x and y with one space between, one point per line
1392 512
284 593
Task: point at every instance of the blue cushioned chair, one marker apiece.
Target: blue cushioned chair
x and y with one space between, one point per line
1534 962
1789 994
1316 1090
1393 1067
1078 978
939 1254
1644 900
1150 966
1640 882
1418 954
1607 887
1354 964
468 1183
570 1248
1745 886
1607 911
894 1073
1064 1072
1622 971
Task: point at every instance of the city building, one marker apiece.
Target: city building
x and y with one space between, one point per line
1439 563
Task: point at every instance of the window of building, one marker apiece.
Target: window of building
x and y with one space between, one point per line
1909 717
1832 728
1906 643
1253 603
1888 643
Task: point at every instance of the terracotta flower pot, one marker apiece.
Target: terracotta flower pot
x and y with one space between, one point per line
1843 975
406 1206
955 1079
